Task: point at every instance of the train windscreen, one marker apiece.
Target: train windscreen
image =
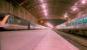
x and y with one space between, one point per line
1 17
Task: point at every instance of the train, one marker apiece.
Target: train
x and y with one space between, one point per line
77 26
11 22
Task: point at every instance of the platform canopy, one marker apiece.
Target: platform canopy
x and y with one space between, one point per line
53 9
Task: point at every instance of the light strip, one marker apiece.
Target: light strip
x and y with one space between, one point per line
44 6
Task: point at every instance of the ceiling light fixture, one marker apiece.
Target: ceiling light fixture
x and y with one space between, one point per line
74 8
83 1
43 5
45 12
65 15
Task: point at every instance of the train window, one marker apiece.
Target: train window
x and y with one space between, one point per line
10 20
20 21
17 20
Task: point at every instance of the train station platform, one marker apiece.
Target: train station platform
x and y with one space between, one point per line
45 39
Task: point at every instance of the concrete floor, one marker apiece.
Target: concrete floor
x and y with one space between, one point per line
34 40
